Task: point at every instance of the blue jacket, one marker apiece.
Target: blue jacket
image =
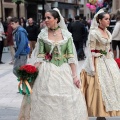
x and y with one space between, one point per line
20 36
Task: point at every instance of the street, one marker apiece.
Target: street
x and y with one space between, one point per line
10 100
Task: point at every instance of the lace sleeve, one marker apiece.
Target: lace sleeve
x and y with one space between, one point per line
70 53
41 54
38 52
93 49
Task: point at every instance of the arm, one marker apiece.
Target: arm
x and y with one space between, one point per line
2 30
74 75
93 48
116 30
9 33
71 61
83 30
41 54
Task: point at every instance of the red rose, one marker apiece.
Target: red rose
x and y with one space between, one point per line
27 71
48 56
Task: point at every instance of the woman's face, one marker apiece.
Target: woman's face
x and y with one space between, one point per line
21 20
105 22
50 21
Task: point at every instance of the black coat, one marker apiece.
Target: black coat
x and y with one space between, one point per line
78 31
32 32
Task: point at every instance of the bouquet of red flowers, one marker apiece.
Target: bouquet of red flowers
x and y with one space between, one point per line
26 75
118 62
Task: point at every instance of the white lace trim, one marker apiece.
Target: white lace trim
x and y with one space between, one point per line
71 60
44 36
98 36
62 96
96 54
39 60
109 78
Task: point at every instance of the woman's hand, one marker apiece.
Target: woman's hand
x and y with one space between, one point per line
37 64
76 81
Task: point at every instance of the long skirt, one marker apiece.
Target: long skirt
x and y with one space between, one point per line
54 97
93 94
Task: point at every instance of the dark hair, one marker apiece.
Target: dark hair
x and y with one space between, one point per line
77 17
118 15
22 19
70 19
101 16
55 15
14 19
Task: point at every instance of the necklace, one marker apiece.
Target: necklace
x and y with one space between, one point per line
101 28
54 33
55 28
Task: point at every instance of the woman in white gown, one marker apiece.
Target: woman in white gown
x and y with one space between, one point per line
56 94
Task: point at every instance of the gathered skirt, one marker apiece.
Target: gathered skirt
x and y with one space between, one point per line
93 94
54 96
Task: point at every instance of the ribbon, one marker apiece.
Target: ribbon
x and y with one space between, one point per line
55 45
25 85
99 51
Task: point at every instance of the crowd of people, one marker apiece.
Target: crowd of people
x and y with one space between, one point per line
60 91
6 31
33 29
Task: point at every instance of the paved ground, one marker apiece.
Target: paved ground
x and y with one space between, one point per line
10 100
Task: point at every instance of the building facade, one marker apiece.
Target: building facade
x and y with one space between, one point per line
8 8
68 8
34 8
115 5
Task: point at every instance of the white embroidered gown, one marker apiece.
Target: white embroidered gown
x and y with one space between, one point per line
54 96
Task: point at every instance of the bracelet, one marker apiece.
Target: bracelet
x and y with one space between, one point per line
74 76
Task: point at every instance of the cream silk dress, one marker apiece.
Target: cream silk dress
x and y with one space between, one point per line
54 96
101 87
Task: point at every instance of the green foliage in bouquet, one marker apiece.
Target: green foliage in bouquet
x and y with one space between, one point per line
26 75
27 72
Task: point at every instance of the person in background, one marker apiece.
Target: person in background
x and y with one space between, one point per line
10 40
32 31
41 25
70 20
21 39
100 74
112 23
23 22
86 26
65 20
1 40
5 25
116 36
78 32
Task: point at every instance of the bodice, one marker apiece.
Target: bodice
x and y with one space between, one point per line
56 52
98 44
59 53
